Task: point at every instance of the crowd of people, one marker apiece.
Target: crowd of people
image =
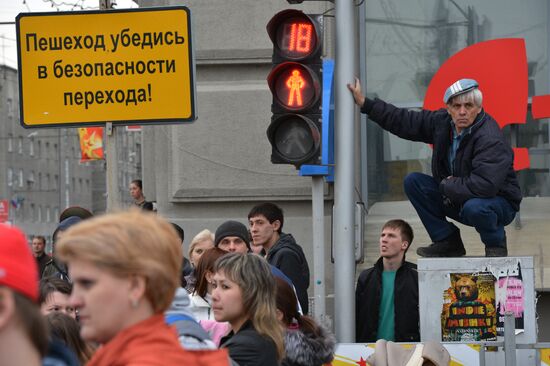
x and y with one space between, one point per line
117 290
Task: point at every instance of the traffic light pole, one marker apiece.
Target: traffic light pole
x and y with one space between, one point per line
344 178
113 198
318 216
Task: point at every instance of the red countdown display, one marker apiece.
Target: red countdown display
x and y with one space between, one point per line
296 38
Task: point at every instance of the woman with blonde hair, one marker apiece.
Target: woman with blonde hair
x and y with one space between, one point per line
244 295
199 245
125 270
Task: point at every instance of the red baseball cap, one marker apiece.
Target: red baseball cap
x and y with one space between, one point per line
18 268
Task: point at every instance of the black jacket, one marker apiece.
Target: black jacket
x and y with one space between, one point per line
306 349
248 348
41 262
367 303
483 166
290 259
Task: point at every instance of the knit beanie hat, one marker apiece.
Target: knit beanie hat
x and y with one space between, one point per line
232 228
17 265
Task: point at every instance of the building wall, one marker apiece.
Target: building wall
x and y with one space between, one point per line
218 167
52 176
46 174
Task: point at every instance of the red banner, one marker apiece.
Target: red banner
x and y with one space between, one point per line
91 143
4 210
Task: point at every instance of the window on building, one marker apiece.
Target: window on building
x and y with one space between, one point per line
56 181
47 150
40 183
10 107
20 145
48 181
10 177
73 185
30 178
10 142
48 214
39 214
32 212
31 146
20 178
39 148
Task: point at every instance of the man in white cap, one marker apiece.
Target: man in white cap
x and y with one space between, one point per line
473 180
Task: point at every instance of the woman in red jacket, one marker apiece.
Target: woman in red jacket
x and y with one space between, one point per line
125 269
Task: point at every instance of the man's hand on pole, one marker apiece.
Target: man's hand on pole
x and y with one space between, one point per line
356 91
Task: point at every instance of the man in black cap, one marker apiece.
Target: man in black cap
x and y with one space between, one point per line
473 179
232 236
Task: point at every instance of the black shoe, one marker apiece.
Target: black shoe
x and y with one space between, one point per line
500 251
496 252
449 247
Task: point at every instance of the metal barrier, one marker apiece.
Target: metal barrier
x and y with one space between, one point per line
509 344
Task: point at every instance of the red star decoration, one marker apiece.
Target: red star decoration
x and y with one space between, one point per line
362 362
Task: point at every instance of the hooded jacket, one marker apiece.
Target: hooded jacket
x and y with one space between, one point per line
289 257
303 349
483 166
191 334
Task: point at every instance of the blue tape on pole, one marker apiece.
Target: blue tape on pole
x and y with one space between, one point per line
327 133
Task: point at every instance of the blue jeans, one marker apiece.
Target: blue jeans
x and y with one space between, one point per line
487 215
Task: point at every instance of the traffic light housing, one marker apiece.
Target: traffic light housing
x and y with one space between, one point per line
295 82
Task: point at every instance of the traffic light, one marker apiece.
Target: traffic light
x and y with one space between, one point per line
295 83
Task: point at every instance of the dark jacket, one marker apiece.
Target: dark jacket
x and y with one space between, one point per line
248 348
303 349
41 262
367 303
483 165
55 269
290 259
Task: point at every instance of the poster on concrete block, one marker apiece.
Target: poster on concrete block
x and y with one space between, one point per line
510 296
469 311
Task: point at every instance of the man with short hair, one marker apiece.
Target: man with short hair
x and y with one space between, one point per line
266 223
23 334
38 250
473 179
386 298
232 236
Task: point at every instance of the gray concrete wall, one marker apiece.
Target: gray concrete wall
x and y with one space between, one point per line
218 167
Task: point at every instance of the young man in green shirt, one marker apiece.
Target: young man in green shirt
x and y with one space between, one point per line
386 298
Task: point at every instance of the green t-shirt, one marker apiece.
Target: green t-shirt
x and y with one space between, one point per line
386 314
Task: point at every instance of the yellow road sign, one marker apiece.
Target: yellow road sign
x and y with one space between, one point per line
122 66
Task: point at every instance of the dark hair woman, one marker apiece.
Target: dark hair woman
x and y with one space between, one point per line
306 342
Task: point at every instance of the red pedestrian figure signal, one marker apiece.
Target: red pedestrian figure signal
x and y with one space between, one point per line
295 83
